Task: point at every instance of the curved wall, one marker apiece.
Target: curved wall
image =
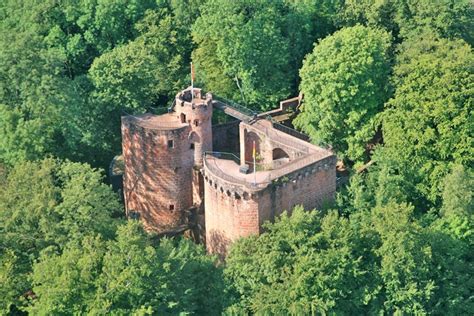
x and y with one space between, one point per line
234 211
228 216
158 174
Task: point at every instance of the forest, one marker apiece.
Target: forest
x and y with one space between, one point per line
387 83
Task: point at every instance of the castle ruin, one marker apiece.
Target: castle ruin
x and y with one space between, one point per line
228 178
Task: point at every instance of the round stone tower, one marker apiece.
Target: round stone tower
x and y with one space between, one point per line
197 112
162 157
158 170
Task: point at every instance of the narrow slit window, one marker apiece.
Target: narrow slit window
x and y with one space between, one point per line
191 146
171 207
170 143
196 123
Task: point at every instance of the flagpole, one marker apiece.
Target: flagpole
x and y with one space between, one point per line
254 167
192 83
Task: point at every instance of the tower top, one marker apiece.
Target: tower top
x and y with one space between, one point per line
193 97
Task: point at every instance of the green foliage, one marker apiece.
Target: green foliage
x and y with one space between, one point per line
453 235
141 74
406 265
33 95
458 192
47 204
447 18
457 217
344 84
84 29
127 276
244 50
64 283
68 70
155 64
374 13
401 241
377 261
303 264
406 19
427 125
383 183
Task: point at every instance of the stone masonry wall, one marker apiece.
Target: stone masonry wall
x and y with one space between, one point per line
264 145
311 187
228 217
225 137
232 213
198 115
157 179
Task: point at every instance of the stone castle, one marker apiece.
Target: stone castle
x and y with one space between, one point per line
224 181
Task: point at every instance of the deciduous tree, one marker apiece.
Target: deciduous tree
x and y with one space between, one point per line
345 83
45 204
407 19
128 275
427 125
251 50
303 264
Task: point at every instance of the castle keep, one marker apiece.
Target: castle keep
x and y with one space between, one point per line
227 179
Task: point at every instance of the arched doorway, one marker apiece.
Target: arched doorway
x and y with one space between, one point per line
250 139
280 157
195 145
279 153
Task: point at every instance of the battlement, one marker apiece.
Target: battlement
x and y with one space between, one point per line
192 97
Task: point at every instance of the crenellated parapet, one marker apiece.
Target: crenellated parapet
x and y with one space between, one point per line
195 109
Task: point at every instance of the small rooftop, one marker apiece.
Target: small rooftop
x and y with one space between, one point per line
161 122
185 97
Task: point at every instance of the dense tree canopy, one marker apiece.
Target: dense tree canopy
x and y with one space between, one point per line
427 125
286 269
345 83
69 71
378 261
154 64
46 204
251 50
406 18
59 224
127 275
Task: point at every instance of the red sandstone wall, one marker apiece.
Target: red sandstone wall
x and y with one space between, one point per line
227 218
198 187
225 137
311 187
230 216
264 145
157 176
